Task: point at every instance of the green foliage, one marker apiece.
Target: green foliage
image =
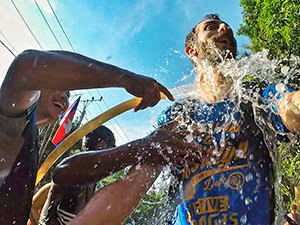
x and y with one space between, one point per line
289 159
273 25
110 179
150 209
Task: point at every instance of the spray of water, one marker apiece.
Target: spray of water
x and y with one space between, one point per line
248 76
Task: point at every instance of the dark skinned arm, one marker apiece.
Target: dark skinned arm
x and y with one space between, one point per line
33 71
166 145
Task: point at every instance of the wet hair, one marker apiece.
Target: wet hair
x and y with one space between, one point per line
192 35
211 17
101 133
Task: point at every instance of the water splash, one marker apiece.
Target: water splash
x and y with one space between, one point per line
248 74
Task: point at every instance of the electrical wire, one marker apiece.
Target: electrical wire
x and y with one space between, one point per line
46 21
63 30
61 27
113 127
9 43
7 48
35 38
114 119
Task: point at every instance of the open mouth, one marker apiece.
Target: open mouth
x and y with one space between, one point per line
223 41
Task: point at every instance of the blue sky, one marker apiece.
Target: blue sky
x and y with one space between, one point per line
146 37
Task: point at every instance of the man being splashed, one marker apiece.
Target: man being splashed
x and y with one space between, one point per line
233 182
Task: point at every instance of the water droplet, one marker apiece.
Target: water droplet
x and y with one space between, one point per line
240 153
138 166
248 201
169 150
249 177
189 138
95 166
243 219
285 70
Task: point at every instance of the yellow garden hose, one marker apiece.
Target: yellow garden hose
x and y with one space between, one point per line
84 130
38 202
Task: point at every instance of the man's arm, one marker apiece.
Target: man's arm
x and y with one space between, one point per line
33 70
115 202
289 111
166 144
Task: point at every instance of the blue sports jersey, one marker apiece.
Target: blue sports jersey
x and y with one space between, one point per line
233 183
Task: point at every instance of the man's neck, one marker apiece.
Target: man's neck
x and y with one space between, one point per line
42 122
211 84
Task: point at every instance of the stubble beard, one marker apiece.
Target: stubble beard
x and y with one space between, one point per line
208 60
208 51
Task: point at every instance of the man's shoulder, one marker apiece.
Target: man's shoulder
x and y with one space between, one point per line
11 129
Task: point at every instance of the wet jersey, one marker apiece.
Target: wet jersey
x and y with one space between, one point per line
17 189
233 182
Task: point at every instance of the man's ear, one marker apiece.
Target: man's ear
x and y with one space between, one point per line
190 51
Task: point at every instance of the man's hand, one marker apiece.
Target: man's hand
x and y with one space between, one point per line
146 88
289 111
170 144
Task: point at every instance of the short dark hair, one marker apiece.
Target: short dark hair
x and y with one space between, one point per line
192 35
101 133
211 17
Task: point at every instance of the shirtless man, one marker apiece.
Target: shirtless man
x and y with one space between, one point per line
33 94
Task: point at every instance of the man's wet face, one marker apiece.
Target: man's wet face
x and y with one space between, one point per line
215 34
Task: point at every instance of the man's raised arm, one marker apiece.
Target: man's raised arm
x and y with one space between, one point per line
33 70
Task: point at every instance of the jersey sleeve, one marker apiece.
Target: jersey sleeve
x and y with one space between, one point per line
270 95
164 117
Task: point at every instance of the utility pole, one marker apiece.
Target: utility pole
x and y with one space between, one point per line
85 105
53 127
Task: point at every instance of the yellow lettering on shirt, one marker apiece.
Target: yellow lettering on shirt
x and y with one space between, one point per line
211 205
